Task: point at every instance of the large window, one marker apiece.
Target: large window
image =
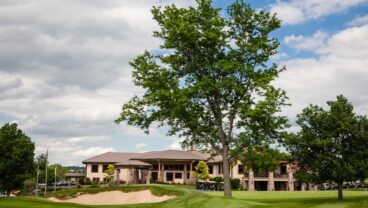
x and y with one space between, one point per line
240 169
210 169
94 168
178 175
104 168
220 169
174 167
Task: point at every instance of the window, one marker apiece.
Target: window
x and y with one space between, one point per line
220 169
210 169
96 179
94 168
104 168
155 167
188 175
154 176
240 169
188 167
174 167
283 169
178 175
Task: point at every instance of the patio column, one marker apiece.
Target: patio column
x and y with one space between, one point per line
271 182
290 178
185 173
191 171
159 171
163 172
304 186
148 177
250 180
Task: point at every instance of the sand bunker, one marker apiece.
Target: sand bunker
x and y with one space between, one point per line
115 197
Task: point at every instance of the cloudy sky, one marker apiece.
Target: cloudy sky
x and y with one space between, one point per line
64 66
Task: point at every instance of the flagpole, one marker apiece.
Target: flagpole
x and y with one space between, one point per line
38 172
47 155
55 179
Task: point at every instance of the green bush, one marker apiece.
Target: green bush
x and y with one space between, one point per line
87 181
217 179
235 183
81 181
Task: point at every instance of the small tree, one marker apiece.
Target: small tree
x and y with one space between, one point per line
109 173
201 170
331 145
16 157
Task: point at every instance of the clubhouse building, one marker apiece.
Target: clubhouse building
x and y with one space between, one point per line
175 166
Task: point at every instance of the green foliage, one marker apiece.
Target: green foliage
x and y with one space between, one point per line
109 173
332 144
87 181
204 87
217 179
28 186
263 159
201 170
16 157
235 184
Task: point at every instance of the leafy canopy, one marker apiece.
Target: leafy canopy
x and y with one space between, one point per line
212 82
16 160
332 144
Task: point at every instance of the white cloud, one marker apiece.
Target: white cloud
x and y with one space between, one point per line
86 139
175 144
65 72
140 145
317 40
359 21
341 68
297 11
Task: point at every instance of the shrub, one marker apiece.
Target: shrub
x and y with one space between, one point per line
81 181
87 181
217 179
235 183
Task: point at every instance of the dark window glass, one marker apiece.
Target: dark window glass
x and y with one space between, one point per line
188 175
210 169
240 169
96 179
94 168
283 169
104 168
178 175
154 176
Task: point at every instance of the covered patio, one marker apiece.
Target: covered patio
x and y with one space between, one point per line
133 172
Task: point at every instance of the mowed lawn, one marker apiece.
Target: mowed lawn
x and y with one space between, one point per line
190 198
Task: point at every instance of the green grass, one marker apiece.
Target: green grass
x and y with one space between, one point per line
188 197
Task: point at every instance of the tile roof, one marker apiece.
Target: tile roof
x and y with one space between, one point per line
120 157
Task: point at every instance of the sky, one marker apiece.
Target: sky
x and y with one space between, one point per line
65 74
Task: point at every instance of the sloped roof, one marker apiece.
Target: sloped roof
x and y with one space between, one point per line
170 155
111 157
124 157
133 163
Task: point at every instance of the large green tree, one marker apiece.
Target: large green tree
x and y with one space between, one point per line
17 157
212 83
331 145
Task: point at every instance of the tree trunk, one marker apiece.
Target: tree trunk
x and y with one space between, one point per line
339 187
226 172
8 192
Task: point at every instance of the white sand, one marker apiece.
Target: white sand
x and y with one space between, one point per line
115 197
